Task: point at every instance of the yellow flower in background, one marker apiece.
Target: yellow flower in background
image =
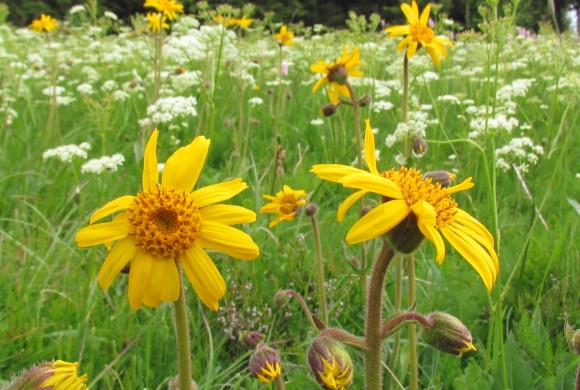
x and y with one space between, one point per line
170 8
44 23
168 223
242 22
284 36
337 73
156 22
412 203
63 375
285 204
418 34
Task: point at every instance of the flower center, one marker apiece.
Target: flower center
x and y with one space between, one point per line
415 188
337 73
421 33
164 222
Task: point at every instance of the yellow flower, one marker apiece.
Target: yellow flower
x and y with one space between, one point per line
156 22
334 377
285 204
419 34
284 36
337 73
166 224
420 204
265 364
63 375
243 22
170 8
45 23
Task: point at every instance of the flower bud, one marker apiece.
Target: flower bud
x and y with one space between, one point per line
447 334
265 364
338 75
48 376
419 146
330 363
252 339
174 384
310 209
281 298
572 337
364 101
442 177
329 109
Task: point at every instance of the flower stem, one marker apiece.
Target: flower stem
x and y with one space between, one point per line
344 336
158 65
413 364
373 366
278 383
577 385
303 304
182 337
320 267
398 304
405 144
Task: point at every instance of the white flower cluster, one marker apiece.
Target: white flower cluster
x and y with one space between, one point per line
167 109
415 126
496 123
66 153
255 101
103 164
382 105
520 152
517 88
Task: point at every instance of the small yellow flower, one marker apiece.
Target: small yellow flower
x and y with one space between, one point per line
334 377
265 364
420 204
169 223
285 204
337 73
156 22
170 8
419 34
242 22
284 36
45 23
330 363
63 375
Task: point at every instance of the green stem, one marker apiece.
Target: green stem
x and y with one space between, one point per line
158 65
320 267
374 318
398 304
344 337
278 383
303 304
413 364
182 337
405 144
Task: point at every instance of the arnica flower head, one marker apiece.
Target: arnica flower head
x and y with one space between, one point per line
167 224
265 364
285 204
169 8
330 363
50 376
44 23
413 208
243 22
156 22
418 33
284 36
447 334
337 73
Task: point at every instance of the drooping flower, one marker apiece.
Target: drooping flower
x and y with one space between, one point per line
330 363
418 34
285 204
284 36
44 23
169 8
265 364
413 208
156 22
53 375
337 73
167 224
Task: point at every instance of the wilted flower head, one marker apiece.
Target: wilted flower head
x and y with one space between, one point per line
265 364
285 204
44 23
447 334
330 363
418 34
337 73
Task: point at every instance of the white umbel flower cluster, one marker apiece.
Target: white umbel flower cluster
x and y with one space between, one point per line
167 109
414 127
103 164
66 153
520 152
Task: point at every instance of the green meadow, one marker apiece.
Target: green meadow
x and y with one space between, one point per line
503 109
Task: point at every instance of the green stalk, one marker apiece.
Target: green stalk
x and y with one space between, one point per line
320 268
413 363
278 383
182 337
374 318
398 305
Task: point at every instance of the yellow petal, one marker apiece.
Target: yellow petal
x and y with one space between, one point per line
182 169
139 278
473 253
204 276
411 13
227 214
347 204
163 283
223 238
123 252
425 14
216 193
334 172
378 221
320 67
370 155
412 49
405 43
464 185
121 203
397 31
373 183
435 56
464 218
104 232
150 173
481 240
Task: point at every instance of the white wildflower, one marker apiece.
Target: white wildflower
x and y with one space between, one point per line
317 122
66 153
167 109
255 101
103 164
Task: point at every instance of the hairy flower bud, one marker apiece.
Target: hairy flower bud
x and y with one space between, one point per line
419 146
252 339
310 209
447 334
338 75
265 364
330 363
281 298
572 337
442 177
364 100
50 375
329 109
